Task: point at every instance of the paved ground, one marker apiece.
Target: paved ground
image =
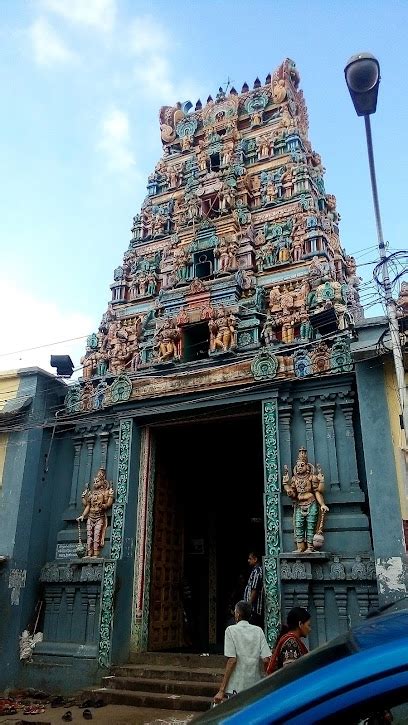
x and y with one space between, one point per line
109 715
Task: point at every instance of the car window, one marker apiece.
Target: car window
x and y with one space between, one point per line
380 710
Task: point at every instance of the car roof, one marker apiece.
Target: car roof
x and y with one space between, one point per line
380 630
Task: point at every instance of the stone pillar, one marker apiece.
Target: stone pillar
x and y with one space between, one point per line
56 606
272 508
328 409
48 613
84 615
285 415
75 473
92 593
363 601
347 408
104 439
89 439
341 599
308 413
69 599
319 602
302 594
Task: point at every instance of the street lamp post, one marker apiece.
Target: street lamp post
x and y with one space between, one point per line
362 74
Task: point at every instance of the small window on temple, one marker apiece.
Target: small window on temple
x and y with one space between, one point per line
203 264
215 162
211 206
196 341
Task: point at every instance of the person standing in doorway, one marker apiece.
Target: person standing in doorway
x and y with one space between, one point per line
247 651
254 589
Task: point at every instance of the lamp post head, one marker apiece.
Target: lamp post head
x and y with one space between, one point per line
362 73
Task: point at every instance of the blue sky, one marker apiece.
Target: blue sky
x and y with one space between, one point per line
82 82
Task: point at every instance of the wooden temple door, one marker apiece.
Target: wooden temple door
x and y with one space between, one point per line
166 611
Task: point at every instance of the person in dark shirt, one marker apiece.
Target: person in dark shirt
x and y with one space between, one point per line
254 590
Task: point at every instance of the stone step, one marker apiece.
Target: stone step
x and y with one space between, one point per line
160 700
171 686
179 659
170 672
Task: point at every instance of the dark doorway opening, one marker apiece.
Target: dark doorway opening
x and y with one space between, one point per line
211 206
203 264
214 471
196 343
215 162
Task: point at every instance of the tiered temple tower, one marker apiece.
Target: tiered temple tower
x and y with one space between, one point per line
235 255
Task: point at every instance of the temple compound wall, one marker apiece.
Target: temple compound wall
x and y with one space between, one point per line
234 359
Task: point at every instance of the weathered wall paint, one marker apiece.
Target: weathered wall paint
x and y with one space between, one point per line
398 435
9 383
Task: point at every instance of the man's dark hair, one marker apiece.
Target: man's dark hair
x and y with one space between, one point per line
255 555
244 609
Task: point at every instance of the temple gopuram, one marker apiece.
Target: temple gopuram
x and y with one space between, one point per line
231 400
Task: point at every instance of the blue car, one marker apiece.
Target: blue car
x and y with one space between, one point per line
359 677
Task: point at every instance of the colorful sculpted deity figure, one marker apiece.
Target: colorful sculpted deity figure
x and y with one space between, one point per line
402 301
181 264
174 176
222 328
287 320
256 118
166 342
297 248
88 365
227 151
135 359
269 254
287 183
96 502
305 488
263 147
268 332
193 209
306 329
222 253
227 198
279 91
151 283
275 297
202 157
102 363
283 250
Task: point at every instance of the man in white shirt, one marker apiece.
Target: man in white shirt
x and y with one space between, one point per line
248 654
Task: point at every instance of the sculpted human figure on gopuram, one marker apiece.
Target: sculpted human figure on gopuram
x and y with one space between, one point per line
97 502
305 487
237 219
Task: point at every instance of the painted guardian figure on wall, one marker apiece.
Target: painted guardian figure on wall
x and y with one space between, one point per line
96 502
306 488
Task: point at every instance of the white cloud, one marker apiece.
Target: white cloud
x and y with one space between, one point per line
151 45
115 141
152 76
43 322
97 14
147 36
48 46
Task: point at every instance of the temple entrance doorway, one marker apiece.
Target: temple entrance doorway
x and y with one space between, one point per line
207 516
